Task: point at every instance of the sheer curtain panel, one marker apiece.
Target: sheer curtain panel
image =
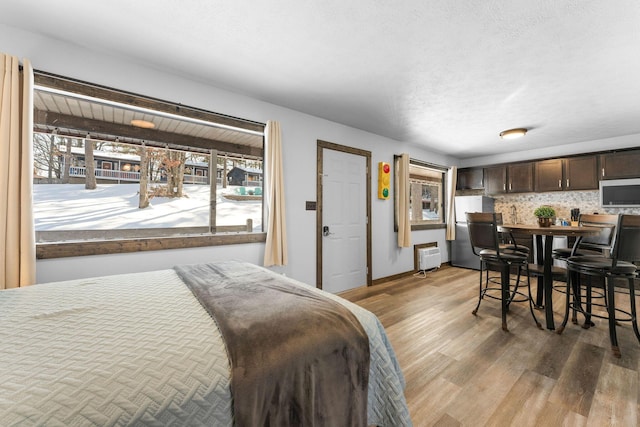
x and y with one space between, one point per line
17 234
275 250
404 222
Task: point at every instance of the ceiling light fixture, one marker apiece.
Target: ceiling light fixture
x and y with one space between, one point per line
142 124
513 133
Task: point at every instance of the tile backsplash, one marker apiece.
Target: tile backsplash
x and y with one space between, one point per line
561 201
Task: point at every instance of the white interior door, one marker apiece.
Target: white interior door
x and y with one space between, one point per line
344 220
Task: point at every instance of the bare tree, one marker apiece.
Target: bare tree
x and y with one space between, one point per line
46 156
52 150
155 158
225 165
67 161
174 165
144 177
90 169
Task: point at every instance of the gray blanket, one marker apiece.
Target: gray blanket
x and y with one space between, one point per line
297 357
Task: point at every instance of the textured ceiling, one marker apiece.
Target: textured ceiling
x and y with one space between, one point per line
449 75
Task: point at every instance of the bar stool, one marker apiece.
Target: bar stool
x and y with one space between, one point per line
485 243
508 243
595 245
620 265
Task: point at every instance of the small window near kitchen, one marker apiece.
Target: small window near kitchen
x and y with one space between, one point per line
426 195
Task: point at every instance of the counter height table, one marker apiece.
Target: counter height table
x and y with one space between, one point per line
546 260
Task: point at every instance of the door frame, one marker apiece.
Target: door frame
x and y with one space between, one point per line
321 145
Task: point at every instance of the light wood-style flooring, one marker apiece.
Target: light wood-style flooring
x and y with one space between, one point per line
463 370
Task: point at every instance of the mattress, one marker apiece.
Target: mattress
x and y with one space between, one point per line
139 349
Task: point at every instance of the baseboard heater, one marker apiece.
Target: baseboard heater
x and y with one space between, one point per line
428 258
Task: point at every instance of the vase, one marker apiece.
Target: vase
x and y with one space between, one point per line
544 221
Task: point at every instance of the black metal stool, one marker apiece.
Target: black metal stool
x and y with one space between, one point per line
625 252
596 245
485 242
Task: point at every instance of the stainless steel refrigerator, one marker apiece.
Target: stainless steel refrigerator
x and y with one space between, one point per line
461 252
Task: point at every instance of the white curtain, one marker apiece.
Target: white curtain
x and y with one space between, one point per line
452 175
275 251
404 224
17 235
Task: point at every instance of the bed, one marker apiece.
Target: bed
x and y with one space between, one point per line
155 349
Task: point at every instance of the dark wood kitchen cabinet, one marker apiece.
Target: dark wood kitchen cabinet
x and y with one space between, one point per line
495 180
470 179
581 173
520 178
573 173
621 164
515 178
549 175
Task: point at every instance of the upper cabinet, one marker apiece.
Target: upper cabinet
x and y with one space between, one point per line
622 164
520 177
581 173
495 180
573 173
516 178
549 175
470 179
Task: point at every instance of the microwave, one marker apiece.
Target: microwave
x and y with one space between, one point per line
620 193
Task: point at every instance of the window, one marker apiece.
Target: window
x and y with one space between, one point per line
113 166
426 195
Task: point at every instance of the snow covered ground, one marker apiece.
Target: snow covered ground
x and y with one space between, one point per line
115 206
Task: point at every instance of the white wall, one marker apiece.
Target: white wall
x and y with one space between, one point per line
299 132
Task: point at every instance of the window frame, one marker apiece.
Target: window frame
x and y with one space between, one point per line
431 166
164 238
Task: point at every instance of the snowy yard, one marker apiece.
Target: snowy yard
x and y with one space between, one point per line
115 206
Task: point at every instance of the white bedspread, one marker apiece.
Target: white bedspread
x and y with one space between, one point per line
138 349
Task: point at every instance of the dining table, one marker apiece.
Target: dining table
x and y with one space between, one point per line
544 256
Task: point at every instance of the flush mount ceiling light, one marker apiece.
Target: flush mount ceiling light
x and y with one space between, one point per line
143 124
513 133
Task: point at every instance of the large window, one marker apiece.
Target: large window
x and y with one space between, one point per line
112 167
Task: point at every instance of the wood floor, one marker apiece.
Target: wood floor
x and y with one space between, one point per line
463 370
